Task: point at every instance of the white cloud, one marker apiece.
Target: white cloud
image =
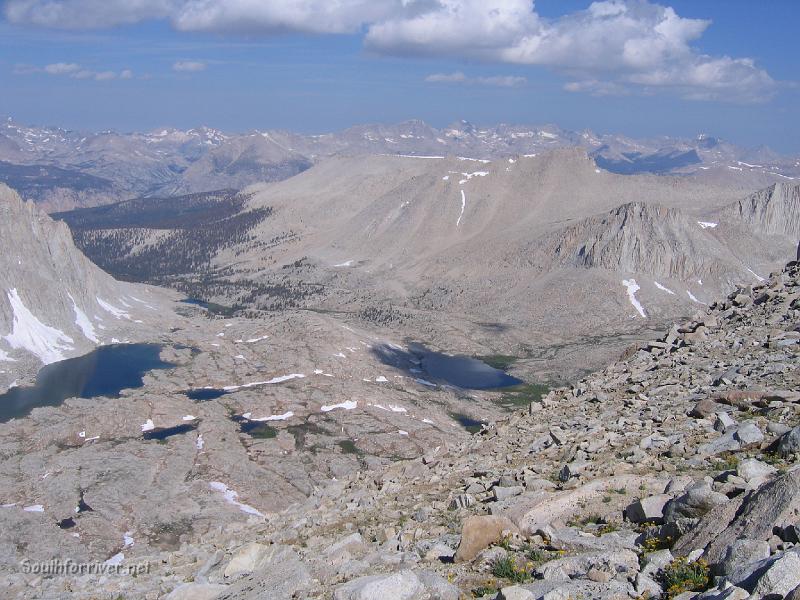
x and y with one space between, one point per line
61 68
73 71
459 77
189 66
614 46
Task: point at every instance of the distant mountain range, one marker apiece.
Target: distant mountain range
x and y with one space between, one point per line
62 169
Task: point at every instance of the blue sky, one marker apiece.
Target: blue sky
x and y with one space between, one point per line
641 68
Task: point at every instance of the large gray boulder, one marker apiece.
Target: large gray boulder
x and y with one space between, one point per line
270 571
648 510
789 443
695 502
774 576
754 517
402 585
737 565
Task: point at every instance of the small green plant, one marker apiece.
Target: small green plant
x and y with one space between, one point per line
651 544
729 463
621 491
606 499
584 521
683 576
537 556
507 568
488 589
505 542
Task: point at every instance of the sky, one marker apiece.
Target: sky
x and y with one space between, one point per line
636 67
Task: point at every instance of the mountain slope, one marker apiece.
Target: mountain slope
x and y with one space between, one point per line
54 302
549 247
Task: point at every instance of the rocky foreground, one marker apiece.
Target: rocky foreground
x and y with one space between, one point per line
669 474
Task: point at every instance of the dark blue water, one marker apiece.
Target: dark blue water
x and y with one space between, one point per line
204 394
468 423
104 372
460 371
162 433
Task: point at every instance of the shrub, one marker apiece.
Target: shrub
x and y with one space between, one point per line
507 568
683 576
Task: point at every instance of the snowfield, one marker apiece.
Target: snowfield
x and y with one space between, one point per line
29 333
633 287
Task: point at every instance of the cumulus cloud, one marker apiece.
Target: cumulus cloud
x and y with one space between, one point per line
189 66
73 71
613 46
494 80
61 68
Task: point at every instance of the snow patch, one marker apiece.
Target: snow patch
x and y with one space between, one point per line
148 425
347 263
283 417
663 289
692 297
425 382
707 224
231 498
279 379
5 357
110 308
29 333
633 287
33 508
381 379
463 206
127 539
347 405
200 442
83 322
754 274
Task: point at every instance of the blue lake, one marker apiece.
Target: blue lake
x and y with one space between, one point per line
105 371
460 371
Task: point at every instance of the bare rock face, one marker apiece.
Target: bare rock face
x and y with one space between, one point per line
774 210
54 303
775 504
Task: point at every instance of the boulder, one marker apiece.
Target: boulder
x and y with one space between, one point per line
775 576
754 516
739 557
569 590
789 443
695 502
752 469
620 562
402 585
748 433
516 592
479 532
704 409
648 510
275 571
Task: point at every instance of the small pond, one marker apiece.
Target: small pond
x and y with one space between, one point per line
105 371
203 394
457 370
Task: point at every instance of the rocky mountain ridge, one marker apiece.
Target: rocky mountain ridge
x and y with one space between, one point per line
54 302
